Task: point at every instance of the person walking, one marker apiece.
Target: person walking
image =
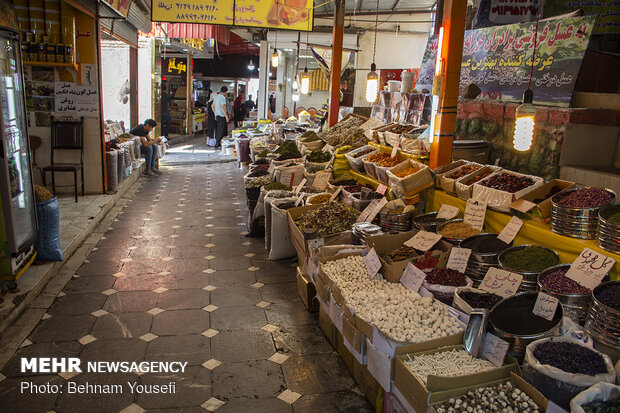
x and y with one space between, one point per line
210 119
148 146
221 116
238 108
249 106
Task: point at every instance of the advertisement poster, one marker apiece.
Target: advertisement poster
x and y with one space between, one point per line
121 6
497 12
607 12
281 14
498 60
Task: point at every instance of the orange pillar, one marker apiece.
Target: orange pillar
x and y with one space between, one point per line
336 69
446 83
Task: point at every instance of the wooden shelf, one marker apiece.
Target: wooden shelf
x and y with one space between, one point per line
52 64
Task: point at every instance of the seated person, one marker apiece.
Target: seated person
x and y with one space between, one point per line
149 146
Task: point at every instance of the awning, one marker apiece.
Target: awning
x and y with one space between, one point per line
190 31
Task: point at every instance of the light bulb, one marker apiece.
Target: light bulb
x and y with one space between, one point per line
251 65
274 58
295 84
305 82
372 84
295 97
524 123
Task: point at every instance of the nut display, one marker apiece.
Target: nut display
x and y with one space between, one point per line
446 276
478 178
458 230
508 182
407 172
590 197
501 398
384 159
570 357
465 170
479 300
362 153
529 259
397 311
558 282
455 362
330 218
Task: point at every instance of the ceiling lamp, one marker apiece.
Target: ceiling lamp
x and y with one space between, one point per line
372 80
524 123
251 65
304 80
275 58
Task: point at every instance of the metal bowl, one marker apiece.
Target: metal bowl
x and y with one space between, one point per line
396 222
608 234
590 212
603 322
530 276
575 305
427 222
512 320
573 222
486 257
453 241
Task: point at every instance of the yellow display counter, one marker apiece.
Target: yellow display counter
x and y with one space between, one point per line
531 232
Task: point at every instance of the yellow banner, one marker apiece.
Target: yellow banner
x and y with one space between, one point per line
281 14
193 11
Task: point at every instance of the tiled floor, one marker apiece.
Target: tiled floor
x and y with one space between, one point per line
193 151
162 286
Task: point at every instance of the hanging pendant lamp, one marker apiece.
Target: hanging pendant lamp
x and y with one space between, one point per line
372 79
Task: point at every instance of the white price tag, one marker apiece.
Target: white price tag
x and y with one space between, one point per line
511 230
381 189
287 177
370 212
299 199
448 212
545 306
412 277
321 180
395 149
301 185
423 240
501 282
328 148
494 349
373 263
458 259
589 268
271 169
474 213
335 194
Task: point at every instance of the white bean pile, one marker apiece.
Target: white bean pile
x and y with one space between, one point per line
504 398
454 362
398 312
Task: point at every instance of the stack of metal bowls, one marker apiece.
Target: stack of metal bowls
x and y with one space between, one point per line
609 232
427 222
481 260
603 322
396 222
363 230
530 278
513 320
575 305
579 223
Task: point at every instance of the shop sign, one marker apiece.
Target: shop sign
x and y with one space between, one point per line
494 12
121 6
607 12
287 14
498 60
174 66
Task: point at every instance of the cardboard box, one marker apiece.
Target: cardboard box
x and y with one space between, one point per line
501 200
363 326
322 290
336 314
327 326
353 336
447 184
379 365
463 186
438 172
421 395
540 212
306 291
393 404
517 381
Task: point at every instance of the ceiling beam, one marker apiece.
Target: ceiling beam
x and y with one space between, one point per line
372 13
395 4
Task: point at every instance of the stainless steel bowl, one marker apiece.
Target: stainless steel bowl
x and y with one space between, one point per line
482 257
575 305
603 322
530 276
427 222
608 234
581 223
396 222
453 241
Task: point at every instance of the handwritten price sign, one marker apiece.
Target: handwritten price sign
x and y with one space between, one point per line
511 230
373 264
475 212
412 278
545 306
423 240
448 212
494 349
589 268
459 257
500 282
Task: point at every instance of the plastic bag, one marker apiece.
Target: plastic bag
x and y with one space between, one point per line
281 246
598 392
558 385
271 196
48 242
573 330
341 165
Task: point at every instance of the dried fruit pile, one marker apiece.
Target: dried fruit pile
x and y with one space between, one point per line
558 282
446 276
508 182
465 170
586 198
570 357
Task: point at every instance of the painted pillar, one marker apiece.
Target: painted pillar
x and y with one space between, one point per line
263 80
334 81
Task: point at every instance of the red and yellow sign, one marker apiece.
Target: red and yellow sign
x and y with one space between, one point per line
121 6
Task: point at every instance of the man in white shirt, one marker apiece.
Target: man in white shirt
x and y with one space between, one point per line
221 116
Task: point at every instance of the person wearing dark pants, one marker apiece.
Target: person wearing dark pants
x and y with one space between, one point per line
221 116
148 147
166 101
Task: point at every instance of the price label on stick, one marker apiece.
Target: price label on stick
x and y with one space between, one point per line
321 180
589 268
301 185
458 259
328 148
545 306
335 194
412 277
423 240
381 189
286 178
395 149
448 212
494 349
511 230
373 263
474 213
271 169
299 199
501 282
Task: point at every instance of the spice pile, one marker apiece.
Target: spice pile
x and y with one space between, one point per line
610 296
458 230
586 198
407 172
395 310
607 406
570 357
615 218
319 199
454 362
529 259
446 276
479 300
465 170
500 398
384 159
318 156
330 218
362 153
345 132
276 186
558 282
258 182
508 182
402 253
257 172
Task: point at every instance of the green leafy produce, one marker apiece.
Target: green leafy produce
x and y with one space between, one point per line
330 218
263 154
318 156
286 146
275 186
